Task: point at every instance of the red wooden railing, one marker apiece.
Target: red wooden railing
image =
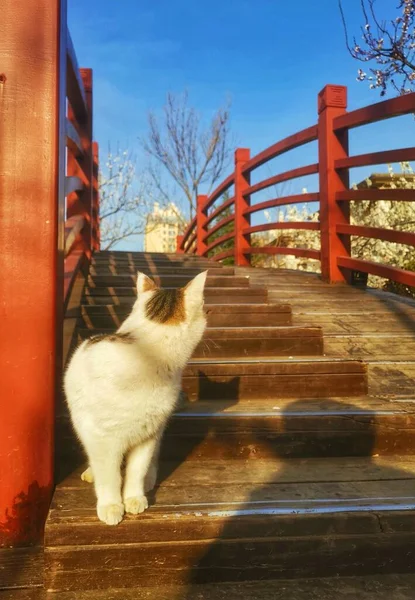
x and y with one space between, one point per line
48 228
334 195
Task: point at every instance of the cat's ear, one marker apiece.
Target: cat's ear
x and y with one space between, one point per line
144 283
194 289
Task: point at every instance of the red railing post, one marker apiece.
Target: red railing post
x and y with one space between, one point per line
179 240
242 182
32 171
96 235
332 145
201 218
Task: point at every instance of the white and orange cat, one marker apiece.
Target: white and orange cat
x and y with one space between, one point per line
122 388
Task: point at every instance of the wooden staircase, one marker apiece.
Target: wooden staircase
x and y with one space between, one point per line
277 465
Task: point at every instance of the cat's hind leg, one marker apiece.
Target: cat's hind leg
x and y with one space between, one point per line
151 475
105 460
88 475
137 466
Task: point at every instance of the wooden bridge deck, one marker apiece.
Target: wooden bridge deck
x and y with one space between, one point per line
292 456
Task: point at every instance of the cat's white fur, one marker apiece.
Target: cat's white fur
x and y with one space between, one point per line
121 395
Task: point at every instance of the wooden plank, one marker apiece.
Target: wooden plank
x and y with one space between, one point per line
371 347
130 269
75 87
376 158
218 315
289 143
212 296
73 184
285 200
21 567
116 281
381 587
281 177
250 341
73 139
273 558
386 109
381 270
388 235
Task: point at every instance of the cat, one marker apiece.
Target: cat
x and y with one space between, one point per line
122 388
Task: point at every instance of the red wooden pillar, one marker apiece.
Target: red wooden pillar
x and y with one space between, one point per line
332 145
201 218
32 169
96 236
242 182
179 240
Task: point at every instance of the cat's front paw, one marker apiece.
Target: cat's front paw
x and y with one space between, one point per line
136 505
111 514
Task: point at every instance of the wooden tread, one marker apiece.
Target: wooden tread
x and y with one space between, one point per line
167 280
344 515
131 269
218 315
273 378
237 342
222 295
381 587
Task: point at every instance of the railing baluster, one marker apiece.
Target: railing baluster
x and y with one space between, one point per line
242 220
201 218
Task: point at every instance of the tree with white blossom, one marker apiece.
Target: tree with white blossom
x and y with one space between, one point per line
387 44
125 198
387 214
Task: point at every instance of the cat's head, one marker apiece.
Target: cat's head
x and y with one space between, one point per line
172 320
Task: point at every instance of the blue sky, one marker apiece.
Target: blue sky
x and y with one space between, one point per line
270 57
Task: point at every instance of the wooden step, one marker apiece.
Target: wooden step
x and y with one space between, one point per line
140 260
222 295
281 519
274 378
284 428
102 282
371 587
255 342
126 269
218 315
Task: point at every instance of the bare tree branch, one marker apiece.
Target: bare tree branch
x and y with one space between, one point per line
191 156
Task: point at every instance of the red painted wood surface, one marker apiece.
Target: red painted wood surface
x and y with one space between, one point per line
242 202
218 226
366 266
281 177
96 236
379 233
220 210
284 201
333 195
402 105
179 244
310 225
302 252
32 124
332 147
201 218
289 143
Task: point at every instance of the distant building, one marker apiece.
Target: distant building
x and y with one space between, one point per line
163 226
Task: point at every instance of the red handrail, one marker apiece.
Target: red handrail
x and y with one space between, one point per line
333 196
